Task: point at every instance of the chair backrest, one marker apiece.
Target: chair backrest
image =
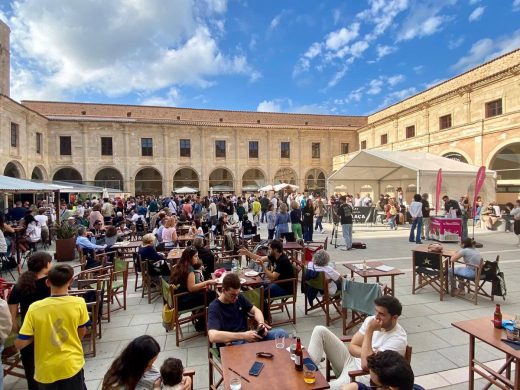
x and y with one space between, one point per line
359 296
489 270
408 354
120 265
431 260
255 297
167 292
314 279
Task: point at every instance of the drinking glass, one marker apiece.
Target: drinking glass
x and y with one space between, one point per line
293 350
309 373
280 341
235 383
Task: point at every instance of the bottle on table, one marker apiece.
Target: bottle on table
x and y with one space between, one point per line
497 317
298 355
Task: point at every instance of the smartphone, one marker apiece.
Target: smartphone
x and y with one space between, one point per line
260 331
309 361
256 368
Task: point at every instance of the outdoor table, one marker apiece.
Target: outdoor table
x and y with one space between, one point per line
482 329
292 248
174 255
251 281
372 272
185 238
127 245
278 372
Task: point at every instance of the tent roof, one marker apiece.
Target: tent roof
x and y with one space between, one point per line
11 184
66 186
390 165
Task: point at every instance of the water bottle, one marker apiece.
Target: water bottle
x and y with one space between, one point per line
234 266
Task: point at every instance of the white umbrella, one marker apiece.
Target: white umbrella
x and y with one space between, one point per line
185 190
280 186
268 187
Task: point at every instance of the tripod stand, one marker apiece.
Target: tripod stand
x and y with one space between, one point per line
334 236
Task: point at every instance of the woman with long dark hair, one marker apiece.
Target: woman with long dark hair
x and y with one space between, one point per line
133 368
308 220
31 287
183 275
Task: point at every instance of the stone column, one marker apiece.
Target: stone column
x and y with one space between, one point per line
167 177
85 145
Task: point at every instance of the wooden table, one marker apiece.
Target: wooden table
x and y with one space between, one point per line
278 372
371 272
482 329
251 281
293 249
174 254
185 238
128 245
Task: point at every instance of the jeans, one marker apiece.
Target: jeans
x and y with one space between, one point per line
27 354
297 230
264 215
276 290
270 234
347 234
426 227
324 341
391 222
307 232
416 228
318 223
467 272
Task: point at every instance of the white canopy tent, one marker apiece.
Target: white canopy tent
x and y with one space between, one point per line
185 190
380 171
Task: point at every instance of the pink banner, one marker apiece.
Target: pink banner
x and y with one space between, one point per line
438 189
481 176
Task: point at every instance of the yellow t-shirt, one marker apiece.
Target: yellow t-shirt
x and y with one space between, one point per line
53 323
257 207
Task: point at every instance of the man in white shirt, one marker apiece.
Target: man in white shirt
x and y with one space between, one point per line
378 333
358 202
274 202
415 211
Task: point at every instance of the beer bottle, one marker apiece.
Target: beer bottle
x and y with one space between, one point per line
298 359
497 317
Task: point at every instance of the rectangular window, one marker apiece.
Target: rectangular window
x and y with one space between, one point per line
494 108
106 146
220 149
285 150
253 149
410 132
146 147
363 145
344 148
185 147
384 139
315 150
445 122
14 134
39 143
65 146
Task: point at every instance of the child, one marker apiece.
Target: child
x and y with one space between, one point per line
171 374
198 271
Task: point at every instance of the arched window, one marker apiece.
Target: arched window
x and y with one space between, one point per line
456 156
68 174
37 174
506 162
315 181
148 181
285 175
221 180
252 180
186 177
390 190
109 178
12 170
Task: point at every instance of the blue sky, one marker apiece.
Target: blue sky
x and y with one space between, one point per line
336 57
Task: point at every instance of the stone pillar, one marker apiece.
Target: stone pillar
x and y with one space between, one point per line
129 185
167 178
5 62
203 179
85 144
238 177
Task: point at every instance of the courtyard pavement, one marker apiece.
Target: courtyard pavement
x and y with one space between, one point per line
440 352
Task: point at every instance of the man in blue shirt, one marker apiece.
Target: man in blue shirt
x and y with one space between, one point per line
88 248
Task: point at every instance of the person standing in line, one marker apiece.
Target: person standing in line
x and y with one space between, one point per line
345 214
296 220
264 201
426 216
515 213
465 213
319 211
271 222
416 213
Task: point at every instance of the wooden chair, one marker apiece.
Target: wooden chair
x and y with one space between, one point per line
137 271
429 269
11 358
191 373
470 285
214 363
182 317
98 278
151 285
356 373
119 283
488 275
358 297
324 301
281 304
93 300
226 261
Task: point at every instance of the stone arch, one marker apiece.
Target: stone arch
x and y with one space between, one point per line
457 155
253 179
315 181
148 181
39 173
68 174
221 180
186 177
109 177
14 169
506 162
285 175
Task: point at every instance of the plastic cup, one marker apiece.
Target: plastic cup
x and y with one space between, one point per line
292 348
235 383
309 373
280 341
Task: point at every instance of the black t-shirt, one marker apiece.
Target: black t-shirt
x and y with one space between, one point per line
425 205
229 317
453 204
42 291
283 267
345 213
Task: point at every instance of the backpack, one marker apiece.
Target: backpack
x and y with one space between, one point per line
498 285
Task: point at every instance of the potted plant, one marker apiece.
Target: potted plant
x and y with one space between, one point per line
65 242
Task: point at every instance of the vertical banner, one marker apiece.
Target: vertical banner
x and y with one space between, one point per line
479 182
438 190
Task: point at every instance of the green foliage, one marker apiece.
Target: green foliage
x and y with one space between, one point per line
66 230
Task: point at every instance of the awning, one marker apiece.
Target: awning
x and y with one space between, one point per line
13 185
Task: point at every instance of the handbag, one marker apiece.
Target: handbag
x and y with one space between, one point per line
435 247
168 318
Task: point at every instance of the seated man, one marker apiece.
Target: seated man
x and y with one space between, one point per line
378 333
228 314
88 247
388 370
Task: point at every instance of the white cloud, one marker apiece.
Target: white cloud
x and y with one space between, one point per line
358 48
382 14
337 76
424 19
117 47
313 51
383 50
486 49
336 15
398 96
454 43
269 106
171 99
516 5
473 2
374 87
337 39
275 22
394 80
355 95
476 14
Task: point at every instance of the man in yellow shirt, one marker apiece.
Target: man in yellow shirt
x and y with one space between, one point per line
257 207
56 325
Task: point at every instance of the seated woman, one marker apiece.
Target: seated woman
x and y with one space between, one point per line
183 276
169 233
32 234
134 369
98 233
95 215
470 256
490 216
157 265
226 229
321 263
207 257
